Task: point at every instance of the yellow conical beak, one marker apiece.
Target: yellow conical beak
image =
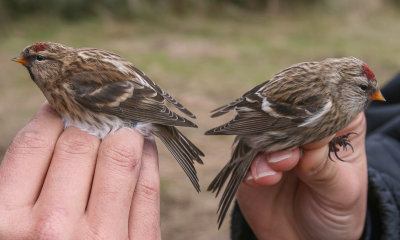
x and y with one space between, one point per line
21 59
377 95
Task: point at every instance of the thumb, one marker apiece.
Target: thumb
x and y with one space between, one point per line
330 177
314 159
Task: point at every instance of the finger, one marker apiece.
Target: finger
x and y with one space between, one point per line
262 173
144 220
266 168
314 157
69 178
283 160
116 174
25 163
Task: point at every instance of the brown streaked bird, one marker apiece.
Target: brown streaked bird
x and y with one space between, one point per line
304 103
100 92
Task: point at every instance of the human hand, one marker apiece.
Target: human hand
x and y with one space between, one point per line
57 184
304 195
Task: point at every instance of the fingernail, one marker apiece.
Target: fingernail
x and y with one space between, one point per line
249 178
262 168
279 156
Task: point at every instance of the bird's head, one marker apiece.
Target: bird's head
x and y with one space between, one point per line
44 61
356 85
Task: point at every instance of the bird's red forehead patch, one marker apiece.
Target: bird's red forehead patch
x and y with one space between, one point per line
368 72
40 46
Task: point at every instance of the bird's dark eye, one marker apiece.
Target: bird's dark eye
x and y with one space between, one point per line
363 87
39 58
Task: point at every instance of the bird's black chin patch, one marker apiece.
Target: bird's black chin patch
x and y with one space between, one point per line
31 74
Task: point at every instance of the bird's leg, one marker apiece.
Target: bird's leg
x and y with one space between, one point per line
341 141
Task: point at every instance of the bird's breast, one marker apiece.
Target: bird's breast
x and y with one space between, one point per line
99 125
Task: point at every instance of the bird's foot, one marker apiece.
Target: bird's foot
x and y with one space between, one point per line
337 142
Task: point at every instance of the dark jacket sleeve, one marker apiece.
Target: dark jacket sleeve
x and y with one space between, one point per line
383 153
383 156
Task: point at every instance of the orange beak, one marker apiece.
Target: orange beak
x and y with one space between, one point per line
377 95
21 59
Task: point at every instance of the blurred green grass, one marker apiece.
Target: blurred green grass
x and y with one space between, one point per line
204 62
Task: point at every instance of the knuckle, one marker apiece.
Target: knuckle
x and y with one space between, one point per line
26 140
15 226
149 190
50 224
94 233
97 232
75 144
121 155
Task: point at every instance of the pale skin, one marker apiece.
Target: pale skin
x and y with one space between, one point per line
301 194
57 184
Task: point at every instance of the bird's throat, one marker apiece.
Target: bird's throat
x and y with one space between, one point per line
31 74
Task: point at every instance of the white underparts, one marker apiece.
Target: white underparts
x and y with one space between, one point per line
144 128
108 127
99 132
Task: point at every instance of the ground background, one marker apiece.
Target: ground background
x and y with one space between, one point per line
204 58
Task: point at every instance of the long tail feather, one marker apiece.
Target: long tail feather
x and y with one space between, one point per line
236 168
183 150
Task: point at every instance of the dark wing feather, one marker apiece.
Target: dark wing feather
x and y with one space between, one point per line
146 105
251 119
228 107
251 122
160 91
269 107
126 99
